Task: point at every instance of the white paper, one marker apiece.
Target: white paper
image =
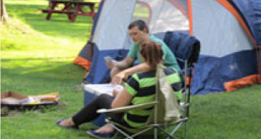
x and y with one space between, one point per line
102 88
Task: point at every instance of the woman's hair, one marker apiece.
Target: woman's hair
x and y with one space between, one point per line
152 53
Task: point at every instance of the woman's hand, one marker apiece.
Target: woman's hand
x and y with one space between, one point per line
118 78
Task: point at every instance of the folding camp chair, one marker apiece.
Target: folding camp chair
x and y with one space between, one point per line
157 121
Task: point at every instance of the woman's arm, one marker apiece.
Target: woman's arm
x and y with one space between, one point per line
122 99
127 72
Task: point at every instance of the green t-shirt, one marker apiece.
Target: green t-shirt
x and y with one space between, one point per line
169 59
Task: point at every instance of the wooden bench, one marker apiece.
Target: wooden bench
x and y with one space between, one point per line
71 8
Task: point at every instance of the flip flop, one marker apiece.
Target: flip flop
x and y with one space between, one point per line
95 134
69 127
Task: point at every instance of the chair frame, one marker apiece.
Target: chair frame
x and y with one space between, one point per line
184 107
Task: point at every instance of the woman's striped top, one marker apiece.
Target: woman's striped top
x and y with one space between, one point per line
142 87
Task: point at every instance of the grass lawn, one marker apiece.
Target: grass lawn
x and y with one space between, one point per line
37 56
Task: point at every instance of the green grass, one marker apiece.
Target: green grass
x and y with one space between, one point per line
36 58
235 115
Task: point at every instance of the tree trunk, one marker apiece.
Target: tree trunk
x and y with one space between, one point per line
4 15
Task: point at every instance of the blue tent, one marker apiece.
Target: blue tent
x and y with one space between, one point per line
229 32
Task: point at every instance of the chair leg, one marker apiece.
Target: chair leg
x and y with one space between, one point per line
115 135
176 128
120 131
143 131
185 129
155 132
169 135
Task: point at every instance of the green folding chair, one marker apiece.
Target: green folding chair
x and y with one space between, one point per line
166 112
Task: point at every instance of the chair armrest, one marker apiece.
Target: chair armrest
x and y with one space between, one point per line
183 104
126 108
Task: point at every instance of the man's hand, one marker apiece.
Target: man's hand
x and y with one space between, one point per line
118 78
110 64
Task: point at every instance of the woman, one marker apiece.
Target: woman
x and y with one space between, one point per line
140 88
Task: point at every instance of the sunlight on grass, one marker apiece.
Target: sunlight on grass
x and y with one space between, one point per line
43 46
37 56
31 49
27 2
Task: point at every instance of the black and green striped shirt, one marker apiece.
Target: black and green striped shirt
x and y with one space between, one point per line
142 87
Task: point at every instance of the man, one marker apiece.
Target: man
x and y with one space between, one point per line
138 32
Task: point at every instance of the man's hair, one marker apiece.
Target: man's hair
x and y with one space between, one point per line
152 53
140 24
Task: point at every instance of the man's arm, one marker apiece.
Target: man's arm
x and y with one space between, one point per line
127 72
127 62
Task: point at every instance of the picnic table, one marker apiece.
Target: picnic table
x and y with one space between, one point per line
71 8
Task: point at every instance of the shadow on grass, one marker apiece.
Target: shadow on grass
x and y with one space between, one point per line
36 59
59 24
42 66
23 74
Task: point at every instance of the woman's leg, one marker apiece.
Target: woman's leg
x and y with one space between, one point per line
89 112
107 128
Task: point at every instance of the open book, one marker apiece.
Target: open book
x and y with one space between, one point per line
102 88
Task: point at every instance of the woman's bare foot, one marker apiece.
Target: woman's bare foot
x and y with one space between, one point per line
107 128
67 122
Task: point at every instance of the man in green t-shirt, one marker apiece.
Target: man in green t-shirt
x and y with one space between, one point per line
138 32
